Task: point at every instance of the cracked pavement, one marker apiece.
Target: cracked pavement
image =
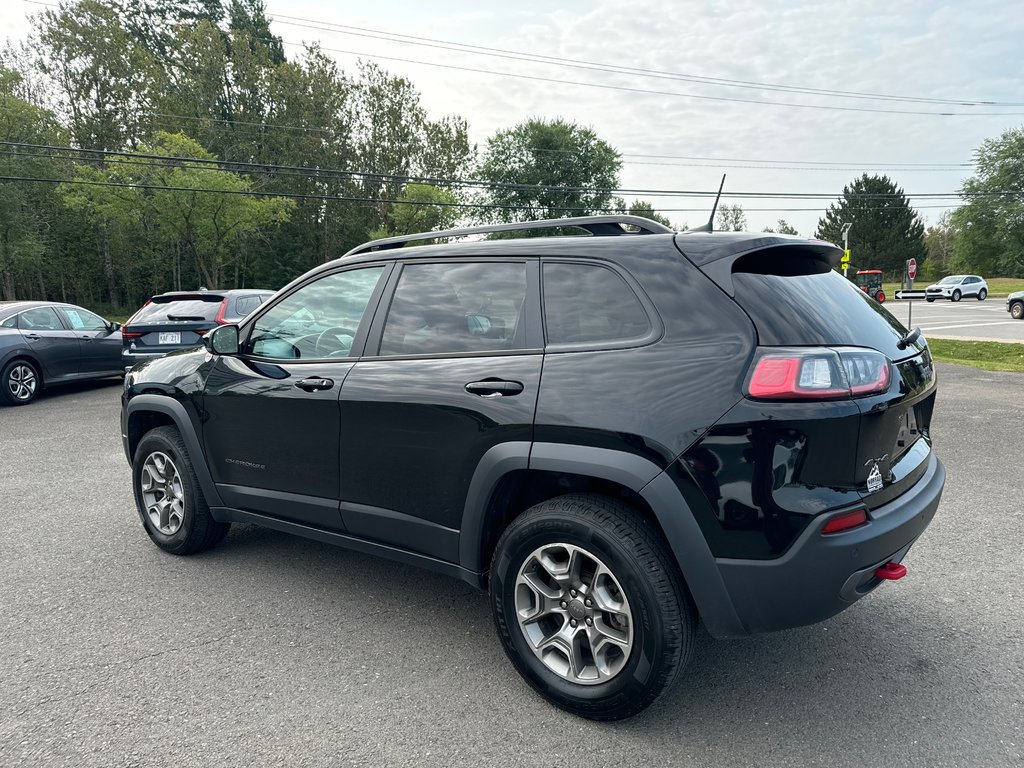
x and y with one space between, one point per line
272 650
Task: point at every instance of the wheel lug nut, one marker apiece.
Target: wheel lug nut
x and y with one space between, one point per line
590 603
590 622
572 592
564 604
573 622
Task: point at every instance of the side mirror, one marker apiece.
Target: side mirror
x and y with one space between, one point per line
222 340
113 327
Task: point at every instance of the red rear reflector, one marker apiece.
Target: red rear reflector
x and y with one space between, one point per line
845 522
891 571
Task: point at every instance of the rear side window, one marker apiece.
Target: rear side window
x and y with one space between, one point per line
40 319
589 303
823 309
186 309
246 304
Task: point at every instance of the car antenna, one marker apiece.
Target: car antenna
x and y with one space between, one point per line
710 226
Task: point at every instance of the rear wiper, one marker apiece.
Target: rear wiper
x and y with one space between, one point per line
185 317
909 339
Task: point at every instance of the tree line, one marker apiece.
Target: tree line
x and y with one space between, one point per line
151 145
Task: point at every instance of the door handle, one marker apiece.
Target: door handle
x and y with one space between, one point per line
315 384
32 336
494 388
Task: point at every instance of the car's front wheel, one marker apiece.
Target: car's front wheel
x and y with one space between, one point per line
171 504
930 299
21 383
590 606
1017 310
955 296
982 294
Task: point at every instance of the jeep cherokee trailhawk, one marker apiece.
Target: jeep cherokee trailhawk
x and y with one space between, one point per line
615 435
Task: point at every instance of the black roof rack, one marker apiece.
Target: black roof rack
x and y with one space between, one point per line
602 226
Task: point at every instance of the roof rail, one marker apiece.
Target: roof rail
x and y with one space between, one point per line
596 225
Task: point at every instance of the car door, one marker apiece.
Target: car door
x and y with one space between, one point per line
56 346
100 348
452 369
272 421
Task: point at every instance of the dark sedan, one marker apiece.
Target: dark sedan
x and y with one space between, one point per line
45 343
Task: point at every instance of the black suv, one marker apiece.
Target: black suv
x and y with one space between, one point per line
614 435
179 320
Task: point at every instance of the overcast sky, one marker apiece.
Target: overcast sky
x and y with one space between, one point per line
956 50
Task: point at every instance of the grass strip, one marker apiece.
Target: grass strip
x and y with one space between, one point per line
986 355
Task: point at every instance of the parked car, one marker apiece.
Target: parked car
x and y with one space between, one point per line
613 435
45 343
178 320
1015 305
956 287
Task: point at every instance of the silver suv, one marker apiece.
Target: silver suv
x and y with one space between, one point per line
956 287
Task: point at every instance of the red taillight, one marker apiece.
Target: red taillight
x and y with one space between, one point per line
126 334
818 374
221 312
845 522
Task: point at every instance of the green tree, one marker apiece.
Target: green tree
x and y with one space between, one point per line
730 218
541 169
886 231
646 210
990 227
782 228
939 240
422 208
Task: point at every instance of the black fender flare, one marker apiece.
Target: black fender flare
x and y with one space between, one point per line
683 534
170 407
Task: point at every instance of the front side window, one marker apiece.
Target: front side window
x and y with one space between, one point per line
83 320
456 308
589 303
319 320
40 319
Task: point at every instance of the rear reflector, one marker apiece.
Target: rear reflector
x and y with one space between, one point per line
891 571
845 522
815 373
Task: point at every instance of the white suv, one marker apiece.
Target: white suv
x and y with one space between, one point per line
956 287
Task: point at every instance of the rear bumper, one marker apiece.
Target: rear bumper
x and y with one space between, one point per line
819 576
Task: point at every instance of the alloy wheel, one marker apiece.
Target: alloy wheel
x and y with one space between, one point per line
574 614
22 382
162 493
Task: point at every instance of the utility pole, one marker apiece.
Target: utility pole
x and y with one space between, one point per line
846 247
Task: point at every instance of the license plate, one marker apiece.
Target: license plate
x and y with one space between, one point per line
173 337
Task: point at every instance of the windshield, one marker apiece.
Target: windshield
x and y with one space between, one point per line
952 279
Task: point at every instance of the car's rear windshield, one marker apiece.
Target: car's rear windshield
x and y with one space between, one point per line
822 309
179 309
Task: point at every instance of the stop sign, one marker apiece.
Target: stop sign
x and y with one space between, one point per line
911 268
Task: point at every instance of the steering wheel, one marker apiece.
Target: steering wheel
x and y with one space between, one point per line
330 342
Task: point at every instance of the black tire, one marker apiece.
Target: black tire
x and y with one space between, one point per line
661 611
196 530
20 382
1017 310
982 294
929 300
955 296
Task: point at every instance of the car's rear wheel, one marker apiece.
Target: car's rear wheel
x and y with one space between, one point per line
21 383
590 606
167 494
955 296
1017 310
982 294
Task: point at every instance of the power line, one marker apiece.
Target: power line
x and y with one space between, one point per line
484 184
376 200
449 45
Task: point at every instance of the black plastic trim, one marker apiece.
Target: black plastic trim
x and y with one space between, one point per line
401 530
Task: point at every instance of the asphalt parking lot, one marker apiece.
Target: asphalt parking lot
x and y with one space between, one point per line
967 319
272 650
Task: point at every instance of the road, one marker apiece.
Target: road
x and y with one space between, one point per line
273 650
967 319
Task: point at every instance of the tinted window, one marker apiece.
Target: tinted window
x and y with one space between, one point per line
10 322
824 309
453 308
590 303
83 320
183 309
319 320
40 319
